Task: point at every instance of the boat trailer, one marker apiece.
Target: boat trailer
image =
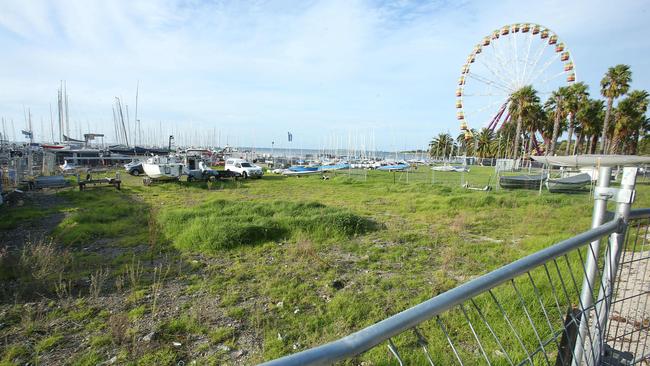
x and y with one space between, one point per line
89 182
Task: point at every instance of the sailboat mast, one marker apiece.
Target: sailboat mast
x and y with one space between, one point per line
128 126
121 118
60 112
51 123
31 132
67 116
136 120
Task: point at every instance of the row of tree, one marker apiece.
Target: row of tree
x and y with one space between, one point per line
591 125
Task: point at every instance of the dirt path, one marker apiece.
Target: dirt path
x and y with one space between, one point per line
630 316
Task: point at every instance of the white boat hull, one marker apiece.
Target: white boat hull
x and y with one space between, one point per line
163 171
302 172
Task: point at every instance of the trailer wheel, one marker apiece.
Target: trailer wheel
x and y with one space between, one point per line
135 172
190 178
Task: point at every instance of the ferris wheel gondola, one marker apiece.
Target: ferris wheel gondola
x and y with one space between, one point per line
506 60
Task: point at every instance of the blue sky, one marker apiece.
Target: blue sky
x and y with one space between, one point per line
254 70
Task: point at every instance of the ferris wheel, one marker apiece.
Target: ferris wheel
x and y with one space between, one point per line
508 59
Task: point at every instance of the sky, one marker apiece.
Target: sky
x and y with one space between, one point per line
378 73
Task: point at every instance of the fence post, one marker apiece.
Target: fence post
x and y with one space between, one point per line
586 298
624 198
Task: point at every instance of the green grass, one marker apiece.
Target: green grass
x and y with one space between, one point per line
297 262
163 357
221 334
101 214
14 216
89 358
137 312
220 224
47 343
180 327
14 353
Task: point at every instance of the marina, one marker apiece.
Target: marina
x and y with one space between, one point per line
326 182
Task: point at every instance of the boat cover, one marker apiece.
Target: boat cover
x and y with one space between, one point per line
593 160
579 179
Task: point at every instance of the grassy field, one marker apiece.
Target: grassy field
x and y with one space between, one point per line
240 272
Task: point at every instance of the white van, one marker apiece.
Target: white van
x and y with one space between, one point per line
244 168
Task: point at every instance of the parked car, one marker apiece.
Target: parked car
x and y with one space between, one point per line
243 167
203 173
134 168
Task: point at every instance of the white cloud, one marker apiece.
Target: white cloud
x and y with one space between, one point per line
272 66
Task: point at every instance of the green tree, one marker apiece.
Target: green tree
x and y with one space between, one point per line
442 146
465 142
555 107
522 108
591 116
485 143
630 122
614 84
576 96
536 123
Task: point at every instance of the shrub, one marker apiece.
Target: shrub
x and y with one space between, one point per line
220 224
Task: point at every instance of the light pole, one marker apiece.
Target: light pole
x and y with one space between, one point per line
272 155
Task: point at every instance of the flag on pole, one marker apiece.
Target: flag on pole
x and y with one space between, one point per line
289 136
27 133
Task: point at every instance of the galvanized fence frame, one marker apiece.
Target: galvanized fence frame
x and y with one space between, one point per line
572 303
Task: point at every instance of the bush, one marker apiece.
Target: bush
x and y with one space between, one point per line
221 224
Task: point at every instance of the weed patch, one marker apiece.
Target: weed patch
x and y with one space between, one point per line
12 217
47 343
221 224
105 214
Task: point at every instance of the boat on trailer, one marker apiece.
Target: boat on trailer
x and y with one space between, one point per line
576 183
163 168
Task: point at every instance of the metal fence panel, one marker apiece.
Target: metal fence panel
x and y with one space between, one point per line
582 301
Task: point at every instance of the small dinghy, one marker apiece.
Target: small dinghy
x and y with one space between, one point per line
450 168
521 181
301 170
576 183
339 166
393 167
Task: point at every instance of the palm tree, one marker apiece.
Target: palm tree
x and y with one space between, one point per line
535 123
630 121
465 142
442 145
521 103
556 105
591 116
547 126
615 83
485 143
643 123
504 139
576 96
